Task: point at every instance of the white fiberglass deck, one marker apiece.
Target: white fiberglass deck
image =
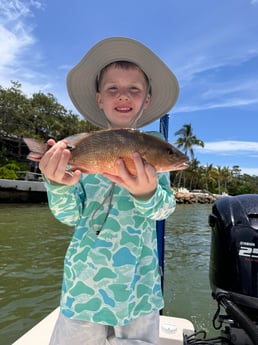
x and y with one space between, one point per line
171 331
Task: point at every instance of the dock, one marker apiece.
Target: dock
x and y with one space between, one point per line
15 191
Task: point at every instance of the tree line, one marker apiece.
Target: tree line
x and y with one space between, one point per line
214 179
41 116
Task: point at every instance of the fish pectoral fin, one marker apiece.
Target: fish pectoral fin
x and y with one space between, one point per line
130 166
82 169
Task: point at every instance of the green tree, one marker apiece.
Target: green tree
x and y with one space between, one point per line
40 116
15 110
207 175
51 119
226 178
187 140
236 171
46 120
192 175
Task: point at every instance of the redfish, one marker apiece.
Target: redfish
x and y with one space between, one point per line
97 152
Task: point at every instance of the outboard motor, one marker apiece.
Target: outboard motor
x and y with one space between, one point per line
234 267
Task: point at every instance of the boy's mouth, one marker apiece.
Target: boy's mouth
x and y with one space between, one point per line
123 109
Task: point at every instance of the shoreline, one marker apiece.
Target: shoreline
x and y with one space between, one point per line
15 191
196 197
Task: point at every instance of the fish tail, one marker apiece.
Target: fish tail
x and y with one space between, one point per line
37 149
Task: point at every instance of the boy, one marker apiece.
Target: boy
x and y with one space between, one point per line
111 292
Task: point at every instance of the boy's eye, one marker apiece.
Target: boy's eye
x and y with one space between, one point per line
112 89
131 90
134 89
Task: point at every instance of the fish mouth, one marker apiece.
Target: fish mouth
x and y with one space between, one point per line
180 166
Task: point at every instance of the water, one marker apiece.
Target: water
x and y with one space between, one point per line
187 250
33 246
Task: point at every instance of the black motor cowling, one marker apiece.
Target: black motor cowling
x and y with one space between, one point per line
234 244
234 249
234 267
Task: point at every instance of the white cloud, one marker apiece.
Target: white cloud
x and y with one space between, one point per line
226 88
12 42
228 146
224 103
16 41
249 171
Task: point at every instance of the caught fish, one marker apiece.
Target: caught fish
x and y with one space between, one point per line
97 152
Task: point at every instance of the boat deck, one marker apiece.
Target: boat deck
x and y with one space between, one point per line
171 331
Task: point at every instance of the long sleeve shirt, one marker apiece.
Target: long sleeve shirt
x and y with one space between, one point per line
111 273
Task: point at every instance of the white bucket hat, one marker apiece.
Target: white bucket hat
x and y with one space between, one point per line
81 80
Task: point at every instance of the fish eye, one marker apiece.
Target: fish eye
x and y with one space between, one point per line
170 151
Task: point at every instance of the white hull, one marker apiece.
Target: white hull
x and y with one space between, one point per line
171 331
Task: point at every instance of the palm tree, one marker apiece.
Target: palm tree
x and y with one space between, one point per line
226 177
191 172
207 174
186 141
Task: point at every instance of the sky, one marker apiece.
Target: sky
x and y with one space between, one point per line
210 45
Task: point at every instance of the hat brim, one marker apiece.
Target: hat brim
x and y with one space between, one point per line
81 80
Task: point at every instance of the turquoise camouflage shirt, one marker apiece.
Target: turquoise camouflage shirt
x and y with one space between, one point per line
111 273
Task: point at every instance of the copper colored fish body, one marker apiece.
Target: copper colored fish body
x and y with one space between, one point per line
97 152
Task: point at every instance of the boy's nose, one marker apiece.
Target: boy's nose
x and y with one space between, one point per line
123 93
123 96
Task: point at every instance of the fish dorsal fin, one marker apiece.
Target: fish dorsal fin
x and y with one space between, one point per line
75 139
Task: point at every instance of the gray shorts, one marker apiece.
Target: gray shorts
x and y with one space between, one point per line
141 331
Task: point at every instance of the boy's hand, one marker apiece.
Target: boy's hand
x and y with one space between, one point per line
143 185
54 162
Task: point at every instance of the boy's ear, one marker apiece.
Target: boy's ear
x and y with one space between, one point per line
147 101
99 101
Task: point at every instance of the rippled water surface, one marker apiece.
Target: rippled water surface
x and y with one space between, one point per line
33 246
187 251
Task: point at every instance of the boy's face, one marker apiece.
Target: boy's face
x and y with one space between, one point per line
121 95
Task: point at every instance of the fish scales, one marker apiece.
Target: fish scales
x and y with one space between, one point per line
99 151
